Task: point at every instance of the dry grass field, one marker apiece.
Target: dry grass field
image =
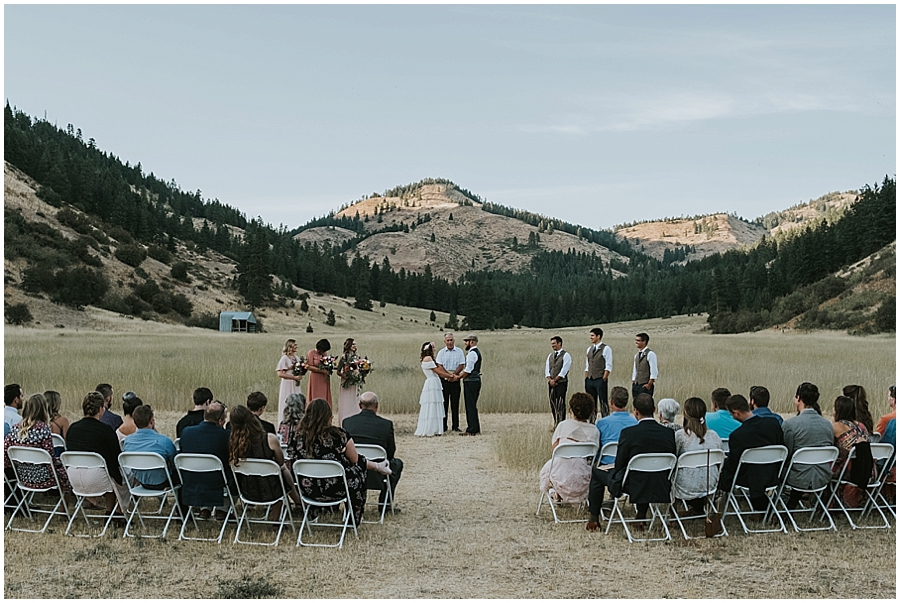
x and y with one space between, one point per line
467 527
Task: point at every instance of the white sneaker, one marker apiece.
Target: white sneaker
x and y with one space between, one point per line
383 467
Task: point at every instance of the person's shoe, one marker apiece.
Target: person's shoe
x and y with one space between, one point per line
641 525
457 429
204 514
221 515
384 467
593 524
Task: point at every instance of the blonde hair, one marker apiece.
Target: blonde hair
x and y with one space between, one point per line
288 345
33 411
54 402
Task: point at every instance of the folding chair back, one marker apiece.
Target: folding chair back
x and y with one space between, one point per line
375 480
763 455
323 469
808 456
725 447
698 459
609 449
875 438
148 461
185 465
74 461
34 456
58 441
260 468
567 450
657 462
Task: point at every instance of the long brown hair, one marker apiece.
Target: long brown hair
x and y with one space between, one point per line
245 429
695 418
348 343
857 393
427 350
315 423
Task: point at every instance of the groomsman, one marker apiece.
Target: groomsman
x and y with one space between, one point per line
556 371
453 360
471 376
645 369
598 363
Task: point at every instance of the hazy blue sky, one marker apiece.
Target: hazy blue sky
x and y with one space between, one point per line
594 114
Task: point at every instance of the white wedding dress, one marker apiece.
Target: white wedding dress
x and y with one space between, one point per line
431 413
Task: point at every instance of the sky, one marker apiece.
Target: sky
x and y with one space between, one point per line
595 114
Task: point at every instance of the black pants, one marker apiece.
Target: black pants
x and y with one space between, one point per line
451 402
471 390
637 389
600 479
558 401
598 389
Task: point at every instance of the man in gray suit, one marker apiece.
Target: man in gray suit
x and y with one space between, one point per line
808 428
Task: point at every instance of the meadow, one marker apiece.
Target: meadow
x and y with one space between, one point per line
468 527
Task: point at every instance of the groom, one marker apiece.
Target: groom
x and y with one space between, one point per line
471 377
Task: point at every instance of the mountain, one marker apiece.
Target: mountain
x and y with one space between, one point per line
685 239
436 225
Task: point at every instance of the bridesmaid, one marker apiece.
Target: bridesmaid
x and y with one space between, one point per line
348 398
319 385
290 383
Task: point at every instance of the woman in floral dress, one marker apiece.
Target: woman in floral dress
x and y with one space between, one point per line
34 432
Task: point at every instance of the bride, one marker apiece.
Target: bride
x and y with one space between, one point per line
431 414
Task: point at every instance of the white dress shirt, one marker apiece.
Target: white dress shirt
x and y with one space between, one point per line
450 359
567 364
471 359
607 355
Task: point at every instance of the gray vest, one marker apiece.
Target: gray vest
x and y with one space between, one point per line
643 367
475 375
556 364
596 362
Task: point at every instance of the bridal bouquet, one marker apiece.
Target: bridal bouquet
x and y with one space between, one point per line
299 370
354 372
327 364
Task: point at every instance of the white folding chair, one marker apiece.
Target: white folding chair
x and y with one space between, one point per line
58 441
87 460
884 474
177 443
808 457
763 455
609 449
567 450
188 464
725 447
258 469
36 457
321 469
645 463
148 461
708 461
382 482
884 451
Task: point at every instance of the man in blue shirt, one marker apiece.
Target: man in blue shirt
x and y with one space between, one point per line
618 419
759 404
146 439
721 420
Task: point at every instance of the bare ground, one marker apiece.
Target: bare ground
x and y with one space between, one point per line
467 530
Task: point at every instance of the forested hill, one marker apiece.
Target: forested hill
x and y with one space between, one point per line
106 234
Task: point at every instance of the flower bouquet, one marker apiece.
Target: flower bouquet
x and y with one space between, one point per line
299 370
327 364
354 373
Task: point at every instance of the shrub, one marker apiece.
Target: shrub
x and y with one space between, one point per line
48 195
159 253
180 271
17 314
132 255
74 220
886 315
182 305
309 328
121 235
204 320
81 286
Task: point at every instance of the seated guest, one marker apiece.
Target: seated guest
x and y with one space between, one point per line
202 397
90 435
721 420
759 403
571 477
130 401
618 419
647 436
849 434
857 393
318 439
881 426
256 402
109 417
367 427
809 428
294 409
206 490
58 423
13 396
667 409
752 432
32 431
691 485
248 440
146 439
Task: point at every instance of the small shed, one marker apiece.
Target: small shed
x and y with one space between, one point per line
237 322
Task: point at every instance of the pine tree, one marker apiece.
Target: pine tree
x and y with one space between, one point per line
330 319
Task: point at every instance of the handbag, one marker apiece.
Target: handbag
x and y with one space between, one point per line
713 523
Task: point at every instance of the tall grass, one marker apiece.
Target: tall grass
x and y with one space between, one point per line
165 368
